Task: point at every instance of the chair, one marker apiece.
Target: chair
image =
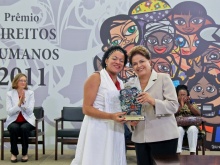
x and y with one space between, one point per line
66 135
34 134
129 145
200 141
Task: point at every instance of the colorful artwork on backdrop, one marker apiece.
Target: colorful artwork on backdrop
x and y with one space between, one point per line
184 41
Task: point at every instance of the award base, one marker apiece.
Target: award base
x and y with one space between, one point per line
134 117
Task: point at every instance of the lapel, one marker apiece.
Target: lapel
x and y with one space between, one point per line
153 78
15 97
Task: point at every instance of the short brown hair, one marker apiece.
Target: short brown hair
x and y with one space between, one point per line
16 79
139 50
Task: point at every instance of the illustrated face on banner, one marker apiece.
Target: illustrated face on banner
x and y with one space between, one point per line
204 90
211 58
119 30
212 55
123 31
162 65
159 42
126 34
189 17
187 44
188 24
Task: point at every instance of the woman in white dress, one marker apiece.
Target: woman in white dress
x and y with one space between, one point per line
101 139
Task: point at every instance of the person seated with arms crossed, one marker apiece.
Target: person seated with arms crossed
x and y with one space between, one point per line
187 108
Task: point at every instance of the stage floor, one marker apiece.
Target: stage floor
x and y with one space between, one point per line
66 158
188 160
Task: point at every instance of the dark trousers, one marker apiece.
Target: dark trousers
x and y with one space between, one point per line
146 151
19 130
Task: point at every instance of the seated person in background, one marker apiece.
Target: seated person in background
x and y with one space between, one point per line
189 108
20 120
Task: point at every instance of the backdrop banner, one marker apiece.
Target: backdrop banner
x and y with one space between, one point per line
58 44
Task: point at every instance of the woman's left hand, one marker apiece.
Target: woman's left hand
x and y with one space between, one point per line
118 117
144 97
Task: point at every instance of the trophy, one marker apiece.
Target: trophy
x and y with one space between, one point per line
130 105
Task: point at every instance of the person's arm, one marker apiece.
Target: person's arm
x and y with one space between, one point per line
28 104
193 108
11 108
169 105
91 88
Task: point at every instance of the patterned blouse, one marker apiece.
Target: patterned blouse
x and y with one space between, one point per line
185 111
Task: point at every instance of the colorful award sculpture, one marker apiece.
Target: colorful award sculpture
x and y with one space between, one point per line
130 105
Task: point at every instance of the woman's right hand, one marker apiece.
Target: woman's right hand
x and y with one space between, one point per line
181 101
118 117
22 99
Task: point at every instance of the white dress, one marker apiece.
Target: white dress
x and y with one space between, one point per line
101 141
